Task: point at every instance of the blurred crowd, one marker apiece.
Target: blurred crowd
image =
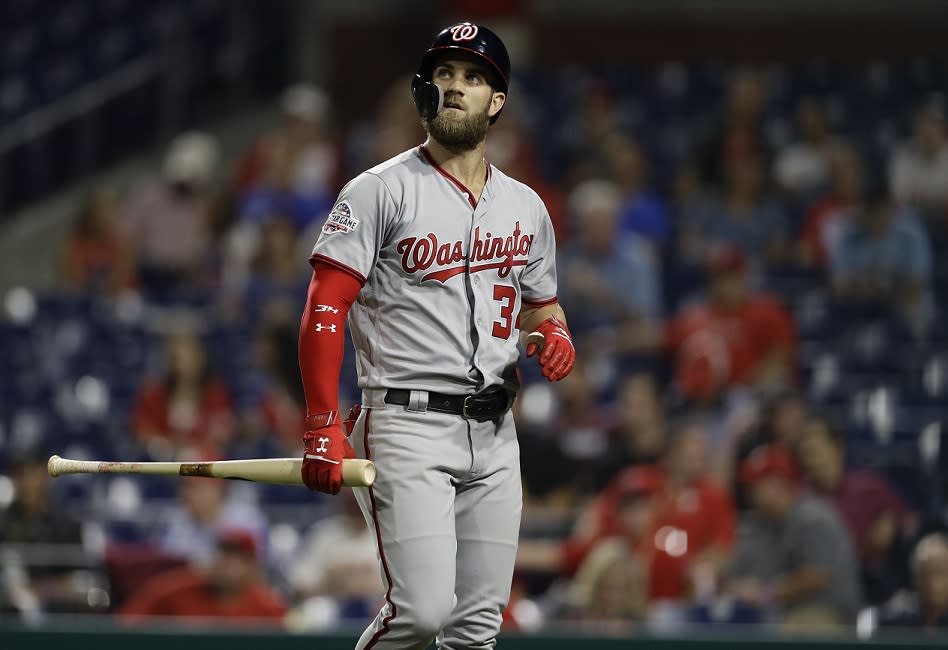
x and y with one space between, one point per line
750 436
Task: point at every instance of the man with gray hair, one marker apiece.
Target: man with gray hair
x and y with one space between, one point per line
611 279
928 606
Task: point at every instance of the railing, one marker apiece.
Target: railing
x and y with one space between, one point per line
104 633
76 104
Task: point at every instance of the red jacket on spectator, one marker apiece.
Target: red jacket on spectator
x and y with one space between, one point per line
716 347
153 415
186 592
685 523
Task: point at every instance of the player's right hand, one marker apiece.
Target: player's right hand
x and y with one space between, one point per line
325 449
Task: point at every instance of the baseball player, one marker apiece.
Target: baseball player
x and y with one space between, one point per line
439 261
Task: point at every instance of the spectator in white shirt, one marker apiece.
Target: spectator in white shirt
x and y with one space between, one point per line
803 167
918 171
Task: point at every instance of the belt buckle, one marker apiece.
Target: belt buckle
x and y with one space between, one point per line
464 412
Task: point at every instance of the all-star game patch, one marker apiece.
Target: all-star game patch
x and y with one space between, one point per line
340 219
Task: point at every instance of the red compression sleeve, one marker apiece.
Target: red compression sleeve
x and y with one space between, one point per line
331 292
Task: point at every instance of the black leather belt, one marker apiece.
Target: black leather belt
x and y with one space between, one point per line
489 405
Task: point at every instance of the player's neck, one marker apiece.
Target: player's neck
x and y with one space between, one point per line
467 166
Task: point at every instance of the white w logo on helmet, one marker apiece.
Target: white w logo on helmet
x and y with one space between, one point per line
463 32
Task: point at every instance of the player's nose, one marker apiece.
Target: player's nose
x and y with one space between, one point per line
455 85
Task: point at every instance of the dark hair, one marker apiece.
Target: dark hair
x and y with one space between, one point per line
171 380
84 224
833 428
682 424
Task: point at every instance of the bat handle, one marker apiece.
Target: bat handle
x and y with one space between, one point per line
54 465
358 472
536 338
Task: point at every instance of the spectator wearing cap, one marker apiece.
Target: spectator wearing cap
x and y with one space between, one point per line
794 557
733 338
295 170
927 606
625 510
609 279
166 221
879 521
777 418
231 587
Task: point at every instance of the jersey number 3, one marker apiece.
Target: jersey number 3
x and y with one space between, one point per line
505 295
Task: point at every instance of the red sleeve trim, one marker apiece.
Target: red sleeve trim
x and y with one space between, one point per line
540 303
317 257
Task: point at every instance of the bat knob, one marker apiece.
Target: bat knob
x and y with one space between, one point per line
52 465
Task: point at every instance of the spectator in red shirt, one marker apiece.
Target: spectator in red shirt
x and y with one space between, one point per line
95 258
628 509
187 407
696 523
735 338
232 587
823 222
879 521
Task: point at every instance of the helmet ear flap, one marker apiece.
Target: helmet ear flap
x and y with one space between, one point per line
429 97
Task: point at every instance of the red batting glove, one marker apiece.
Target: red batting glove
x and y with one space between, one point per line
558 354
326 447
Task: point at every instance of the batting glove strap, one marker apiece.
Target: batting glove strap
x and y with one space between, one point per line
325 449
321 420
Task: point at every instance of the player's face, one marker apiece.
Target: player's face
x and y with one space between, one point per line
469 103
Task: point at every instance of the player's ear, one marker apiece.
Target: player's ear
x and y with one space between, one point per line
496 103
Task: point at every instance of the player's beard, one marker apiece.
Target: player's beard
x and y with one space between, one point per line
461 132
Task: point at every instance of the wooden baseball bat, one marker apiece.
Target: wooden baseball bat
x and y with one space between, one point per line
356 472
534 337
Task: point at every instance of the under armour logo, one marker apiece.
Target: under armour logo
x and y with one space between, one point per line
320 327
322 308
323 445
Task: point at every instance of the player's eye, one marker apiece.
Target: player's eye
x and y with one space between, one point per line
443 73
474 77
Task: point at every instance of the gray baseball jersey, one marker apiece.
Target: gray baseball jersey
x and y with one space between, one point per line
444 278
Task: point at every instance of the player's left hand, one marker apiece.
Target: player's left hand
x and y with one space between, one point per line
558 354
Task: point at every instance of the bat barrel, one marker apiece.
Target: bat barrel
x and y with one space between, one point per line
356 472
